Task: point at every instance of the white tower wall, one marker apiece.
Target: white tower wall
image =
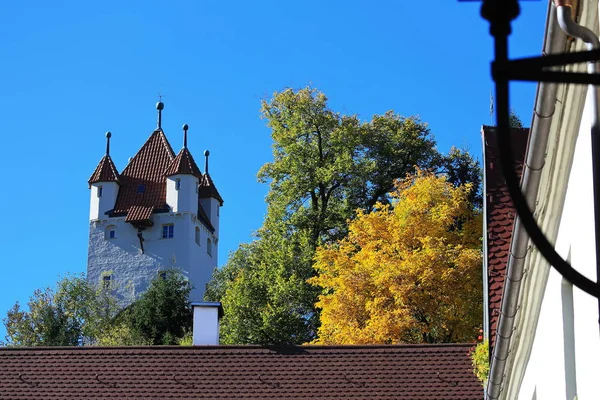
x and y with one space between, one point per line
184 199
99 205
131 271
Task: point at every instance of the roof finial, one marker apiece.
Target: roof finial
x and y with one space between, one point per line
206 154
159 106
185 129
108 135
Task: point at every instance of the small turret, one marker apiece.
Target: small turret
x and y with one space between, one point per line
183 176
104 185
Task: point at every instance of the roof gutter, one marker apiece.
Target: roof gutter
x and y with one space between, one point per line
554 42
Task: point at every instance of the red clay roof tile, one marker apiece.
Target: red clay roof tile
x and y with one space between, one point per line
500 216
143 181
424 372
184 164
105 171
139 213
208 188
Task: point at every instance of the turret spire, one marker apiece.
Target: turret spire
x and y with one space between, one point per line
185 129
108 135
206 154
159 106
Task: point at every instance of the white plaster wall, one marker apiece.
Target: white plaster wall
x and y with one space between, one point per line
186 198
100 205
132 271
547 375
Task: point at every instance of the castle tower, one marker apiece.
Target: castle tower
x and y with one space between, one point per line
150 218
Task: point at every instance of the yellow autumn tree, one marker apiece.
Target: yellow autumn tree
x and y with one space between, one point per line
406 273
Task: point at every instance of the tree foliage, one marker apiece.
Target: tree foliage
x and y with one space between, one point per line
325 166
480 358
409 273
75 313
461 168
514 121
162 315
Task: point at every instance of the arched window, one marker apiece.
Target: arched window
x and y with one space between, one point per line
110 232
197 236
209 246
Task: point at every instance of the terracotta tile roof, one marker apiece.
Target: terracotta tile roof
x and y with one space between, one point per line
500 216
208 188
184 164
105 171
243 372
143 181
139 213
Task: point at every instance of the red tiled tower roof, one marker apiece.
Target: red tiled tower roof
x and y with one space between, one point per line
143 181
500 216
105 171
208 189
184 164
415 372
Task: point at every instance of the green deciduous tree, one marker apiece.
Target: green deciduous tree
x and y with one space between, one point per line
76 313
325 166
73 314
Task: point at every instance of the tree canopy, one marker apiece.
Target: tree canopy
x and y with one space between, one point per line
162 315
405 274
73 314
76 313
325 166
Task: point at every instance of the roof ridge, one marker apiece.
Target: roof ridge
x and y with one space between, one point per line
245 347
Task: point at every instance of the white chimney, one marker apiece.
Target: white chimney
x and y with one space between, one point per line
206 323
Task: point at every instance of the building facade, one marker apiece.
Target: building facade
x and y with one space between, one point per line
160 212
545 341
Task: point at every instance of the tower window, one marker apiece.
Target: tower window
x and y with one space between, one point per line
141 188
197 236
106 281
110 232
167 232
209 246
177 184
99 191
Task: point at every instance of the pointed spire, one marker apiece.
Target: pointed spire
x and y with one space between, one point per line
159 106
206 154
108 135
185 129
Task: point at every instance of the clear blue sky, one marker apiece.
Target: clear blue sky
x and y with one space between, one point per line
72 70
